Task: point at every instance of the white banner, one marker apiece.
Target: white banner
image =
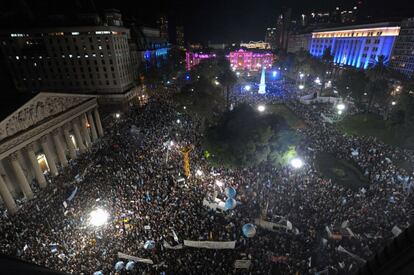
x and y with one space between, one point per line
341 249
168 246
210 245
396 231
135 259
242 264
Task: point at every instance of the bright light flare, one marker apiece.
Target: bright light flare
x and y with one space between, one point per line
216 82
247 87
301 87
98 217
296 163
317 81
274 73
340 106
178 121
117 115
393 103
261 108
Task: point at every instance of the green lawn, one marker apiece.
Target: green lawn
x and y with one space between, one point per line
369 125
291 118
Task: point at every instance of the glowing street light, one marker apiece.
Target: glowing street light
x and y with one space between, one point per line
261 108
178 121
98 217
301 75
216 82
117 115
318 81
301 87
274 73
296 163
247 87
393 103
340 106
238 73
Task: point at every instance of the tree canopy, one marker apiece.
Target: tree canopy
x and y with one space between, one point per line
244 137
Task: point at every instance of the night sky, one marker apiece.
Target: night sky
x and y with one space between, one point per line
214 20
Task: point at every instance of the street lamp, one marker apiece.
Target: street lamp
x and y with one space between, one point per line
238 74
216 82
261 108
178 121
98 217
296 163
301 75
393 103
301 87
318 81
247 87
340 106
117 115
274 73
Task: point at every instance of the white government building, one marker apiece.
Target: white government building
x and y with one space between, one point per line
41 135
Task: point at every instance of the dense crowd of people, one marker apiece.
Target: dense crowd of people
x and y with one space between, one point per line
135 173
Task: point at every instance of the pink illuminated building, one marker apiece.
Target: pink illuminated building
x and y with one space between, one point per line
242 59
193 59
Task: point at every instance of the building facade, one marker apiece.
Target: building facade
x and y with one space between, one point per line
179 36
270 37
402 58
94 60
256 45
297 42
40 138
193 59
357 46
249 60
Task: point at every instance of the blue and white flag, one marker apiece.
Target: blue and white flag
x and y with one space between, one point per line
72 195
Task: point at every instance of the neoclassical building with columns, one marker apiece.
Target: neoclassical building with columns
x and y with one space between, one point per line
41 136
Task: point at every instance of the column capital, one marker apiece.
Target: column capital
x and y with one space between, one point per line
30 147
43 139
55 132
14 156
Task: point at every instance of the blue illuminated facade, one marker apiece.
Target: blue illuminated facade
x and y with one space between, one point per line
356 46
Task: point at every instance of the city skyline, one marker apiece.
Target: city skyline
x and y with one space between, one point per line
217 21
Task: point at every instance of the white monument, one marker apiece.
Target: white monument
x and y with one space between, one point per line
262 85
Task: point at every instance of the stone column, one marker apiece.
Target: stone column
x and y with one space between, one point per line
85 131
69 143
59 148
78 137
21 178
93 128
98 122
49 156
7 197
35 165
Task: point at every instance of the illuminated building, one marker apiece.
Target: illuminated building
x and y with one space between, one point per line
270 37
282 29
296 42
193 59
357 46
163 27
249 60
256 45
403 55
180 36
94 59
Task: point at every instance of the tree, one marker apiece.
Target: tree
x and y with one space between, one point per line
352 83
244 137
378 91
